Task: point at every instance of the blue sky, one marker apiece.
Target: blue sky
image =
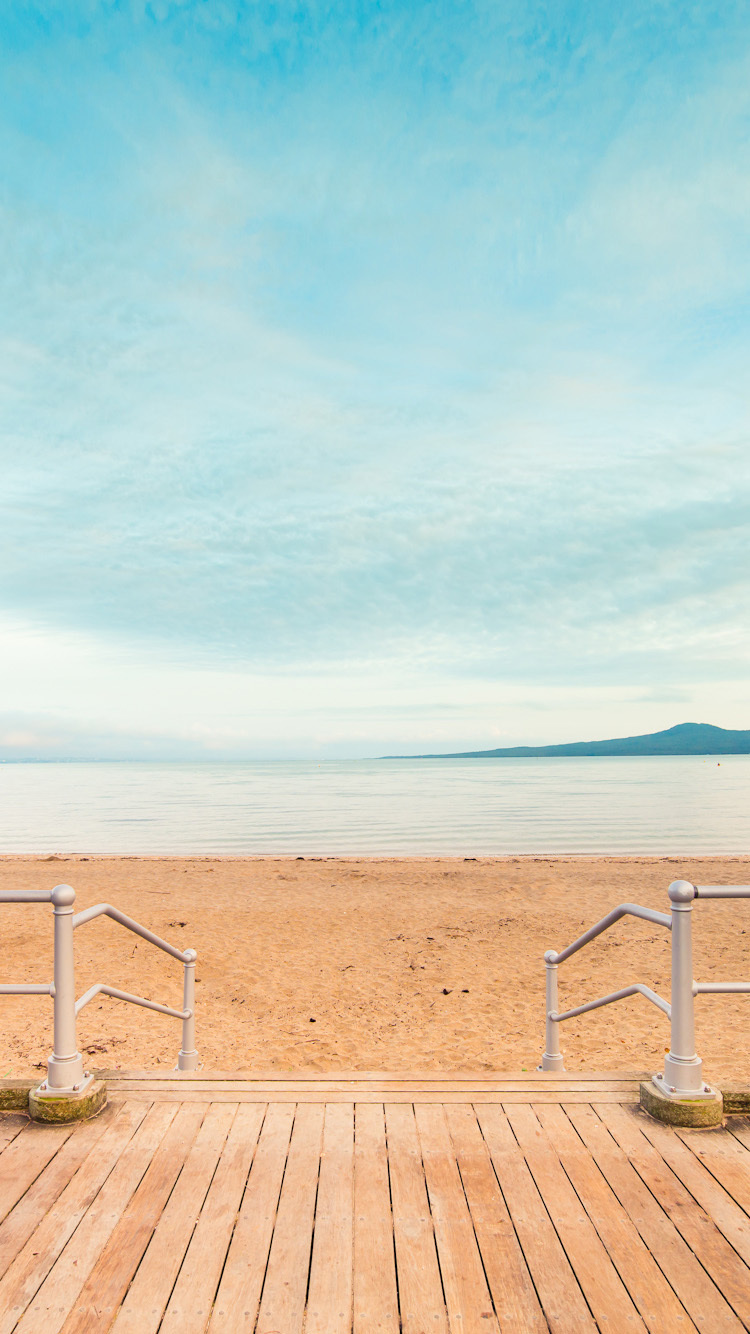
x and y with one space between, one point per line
373 376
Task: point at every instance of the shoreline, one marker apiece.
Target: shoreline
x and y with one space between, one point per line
326 963
663 858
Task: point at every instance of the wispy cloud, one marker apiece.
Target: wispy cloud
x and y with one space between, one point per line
344 335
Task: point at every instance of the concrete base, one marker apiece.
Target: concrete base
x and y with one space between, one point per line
14 1094
705 1111
62 1107
736 1097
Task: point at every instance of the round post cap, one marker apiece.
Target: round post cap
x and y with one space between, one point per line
63 896
681 891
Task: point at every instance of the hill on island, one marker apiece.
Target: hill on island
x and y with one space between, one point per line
684 739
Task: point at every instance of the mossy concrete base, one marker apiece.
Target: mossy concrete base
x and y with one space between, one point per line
71 1107
681 1111
14 1094
736 1097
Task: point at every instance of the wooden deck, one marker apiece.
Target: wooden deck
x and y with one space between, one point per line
368 1203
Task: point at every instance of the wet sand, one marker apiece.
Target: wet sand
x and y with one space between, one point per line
420 964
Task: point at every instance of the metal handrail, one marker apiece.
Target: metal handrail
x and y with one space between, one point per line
722 891
107 910
637 989
26 895
716 988
101 989
65 1072
552 1058
623 910
683 1070
27 989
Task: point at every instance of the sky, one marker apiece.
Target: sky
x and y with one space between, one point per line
373 376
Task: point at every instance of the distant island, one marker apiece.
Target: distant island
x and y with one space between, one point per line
684 739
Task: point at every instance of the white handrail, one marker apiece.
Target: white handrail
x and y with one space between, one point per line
623 910
27 989
682 1076
722 891
717 988
637 989
100 989
65 1072
26 895
107 910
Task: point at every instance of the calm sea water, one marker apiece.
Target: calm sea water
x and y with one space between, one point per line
462 807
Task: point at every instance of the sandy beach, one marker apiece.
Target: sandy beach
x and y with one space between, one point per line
325 964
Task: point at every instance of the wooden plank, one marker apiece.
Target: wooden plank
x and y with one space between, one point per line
376 1076
153 1233
282 1305
25 1158
45 1244
729 1272
419 1285
513 1292
408 1097
679 1175
698 1294
11 1124
466 1295
354 1092
602 1286
16 1229
739 1126
329 1298
562 1300
191 1301
322 1087
653 1296
694 1175
141 1159
725 1157
375 1291
238 1297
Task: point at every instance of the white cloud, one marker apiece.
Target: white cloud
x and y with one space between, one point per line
384 359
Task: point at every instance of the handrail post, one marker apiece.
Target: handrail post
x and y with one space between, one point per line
65 1066
683 1069
188 1058
552 1056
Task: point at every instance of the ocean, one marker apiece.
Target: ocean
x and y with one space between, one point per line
655 805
